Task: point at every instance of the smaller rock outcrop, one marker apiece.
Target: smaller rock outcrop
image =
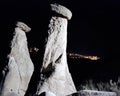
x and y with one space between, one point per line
20 66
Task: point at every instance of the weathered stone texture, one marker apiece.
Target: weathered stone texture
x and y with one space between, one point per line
55 75
20 66
61 10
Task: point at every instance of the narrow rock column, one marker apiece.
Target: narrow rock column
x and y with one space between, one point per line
20 66
55 75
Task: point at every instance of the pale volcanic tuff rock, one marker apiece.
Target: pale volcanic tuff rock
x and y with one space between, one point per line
55 75
23 26
20 66
65 12
55 78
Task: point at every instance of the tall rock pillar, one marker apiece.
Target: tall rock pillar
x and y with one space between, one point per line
20 66
55 75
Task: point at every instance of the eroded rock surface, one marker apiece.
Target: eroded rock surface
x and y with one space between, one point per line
20 66
55 75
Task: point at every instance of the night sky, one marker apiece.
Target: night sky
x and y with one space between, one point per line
93 29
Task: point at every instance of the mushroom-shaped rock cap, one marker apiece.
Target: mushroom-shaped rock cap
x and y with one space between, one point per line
65 12
23 26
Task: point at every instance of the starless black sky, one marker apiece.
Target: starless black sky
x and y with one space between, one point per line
93 29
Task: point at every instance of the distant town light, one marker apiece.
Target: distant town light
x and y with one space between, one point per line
78 56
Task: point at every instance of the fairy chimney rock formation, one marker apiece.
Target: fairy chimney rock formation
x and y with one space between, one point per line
20 66
55 75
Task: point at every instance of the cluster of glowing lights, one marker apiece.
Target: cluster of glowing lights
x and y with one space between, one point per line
78 56
34 49
70 55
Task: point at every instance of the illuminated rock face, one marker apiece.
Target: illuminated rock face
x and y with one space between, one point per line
55 75
20 66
